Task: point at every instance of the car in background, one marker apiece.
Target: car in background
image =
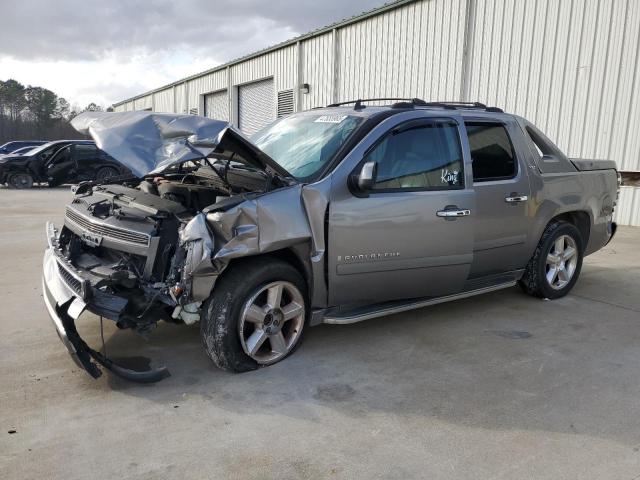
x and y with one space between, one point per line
10 147
58 162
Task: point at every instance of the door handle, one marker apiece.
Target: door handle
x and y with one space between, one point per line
454 213
516 198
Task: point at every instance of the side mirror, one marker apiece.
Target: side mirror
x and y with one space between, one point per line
367 176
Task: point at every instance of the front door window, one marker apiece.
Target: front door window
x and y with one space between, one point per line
422 157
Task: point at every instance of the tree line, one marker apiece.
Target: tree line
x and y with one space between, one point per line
36 113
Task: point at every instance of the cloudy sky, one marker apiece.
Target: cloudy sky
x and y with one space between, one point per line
104 51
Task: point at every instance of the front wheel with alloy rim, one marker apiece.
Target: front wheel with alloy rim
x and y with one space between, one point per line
555 265
20 180
255 315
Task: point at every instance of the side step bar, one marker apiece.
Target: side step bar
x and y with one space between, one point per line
383 310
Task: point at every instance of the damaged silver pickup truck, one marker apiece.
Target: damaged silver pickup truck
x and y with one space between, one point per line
333 215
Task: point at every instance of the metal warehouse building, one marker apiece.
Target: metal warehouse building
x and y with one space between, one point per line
570 66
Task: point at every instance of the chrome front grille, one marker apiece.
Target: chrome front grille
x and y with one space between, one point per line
107 231
70 280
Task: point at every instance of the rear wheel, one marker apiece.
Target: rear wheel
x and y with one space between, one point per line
20 180
105 173
255 315
555 266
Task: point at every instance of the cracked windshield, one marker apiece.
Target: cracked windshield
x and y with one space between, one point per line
305 144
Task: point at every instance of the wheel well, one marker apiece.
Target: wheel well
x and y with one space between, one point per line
294 258
580 220
289 255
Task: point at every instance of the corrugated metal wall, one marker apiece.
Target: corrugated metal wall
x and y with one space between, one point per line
202 85
413 51
180 99
124 107
163 101
628 210
318 71
143 103
280 64
570 66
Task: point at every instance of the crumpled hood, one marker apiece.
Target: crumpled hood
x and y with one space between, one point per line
148 143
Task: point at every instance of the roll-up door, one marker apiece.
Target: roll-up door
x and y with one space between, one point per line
256 106
216 105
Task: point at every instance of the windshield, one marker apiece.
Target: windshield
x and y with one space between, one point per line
305 144
22 151
40 148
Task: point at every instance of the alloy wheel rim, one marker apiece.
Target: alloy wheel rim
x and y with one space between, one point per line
562 261
271 322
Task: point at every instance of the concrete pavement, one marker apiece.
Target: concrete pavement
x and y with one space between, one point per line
497 386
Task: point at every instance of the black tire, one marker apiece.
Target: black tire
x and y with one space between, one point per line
20 181
105 173
220 317
534 281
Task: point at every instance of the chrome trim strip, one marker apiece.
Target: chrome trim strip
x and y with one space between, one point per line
60 262
382 265
412 306
72 273
49 302
104 225
154 242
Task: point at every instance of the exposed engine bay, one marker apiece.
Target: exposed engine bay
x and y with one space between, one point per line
132 243
154 245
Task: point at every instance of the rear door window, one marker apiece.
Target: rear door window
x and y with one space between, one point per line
83 152
491 150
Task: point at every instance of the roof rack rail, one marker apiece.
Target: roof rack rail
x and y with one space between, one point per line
359 103
455 105
417 102
458 104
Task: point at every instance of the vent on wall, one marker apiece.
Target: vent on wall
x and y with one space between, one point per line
193 111
285 103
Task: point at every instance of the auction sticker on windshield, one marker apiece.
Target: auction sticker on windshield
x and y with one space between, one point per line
330 118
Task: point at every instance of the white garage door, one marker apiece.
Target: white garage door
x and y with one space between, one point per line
216 105
256 106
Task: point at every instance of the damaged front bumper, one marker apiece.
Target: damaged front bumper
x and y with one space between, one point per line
66 295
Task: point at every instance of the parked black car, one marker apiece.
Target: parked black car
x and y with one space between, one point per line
10 147
55 163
